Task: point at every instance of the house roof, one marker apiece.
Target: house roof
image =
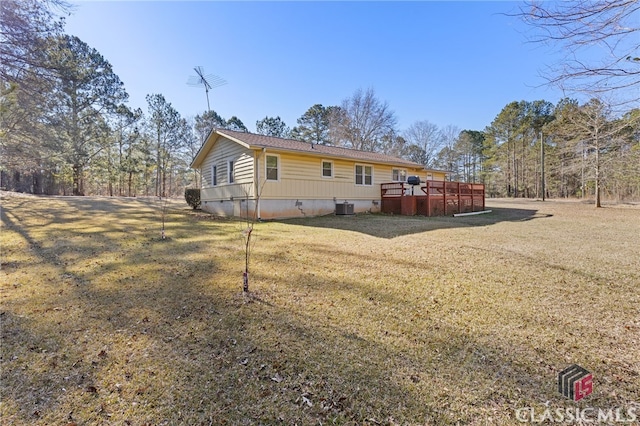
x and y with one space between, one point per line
254 141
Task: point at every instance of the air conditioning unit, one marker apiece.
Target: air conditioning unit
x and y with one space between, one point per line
344 209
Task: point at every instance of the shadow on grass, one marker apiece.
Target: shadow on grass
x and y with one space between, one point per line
170 341
391 226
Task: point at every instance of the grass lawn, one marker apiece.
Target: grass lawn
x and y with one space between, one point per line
352 320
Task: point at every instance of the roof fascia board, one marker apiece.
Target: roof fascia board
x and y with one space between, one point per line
260 147
333 156
236 140
212 139
204 149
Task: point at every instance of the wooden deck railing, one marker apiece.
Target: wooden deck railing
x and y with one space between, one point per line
432 198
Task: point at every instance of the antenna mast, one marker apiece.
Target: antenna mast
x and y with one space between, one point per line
209 81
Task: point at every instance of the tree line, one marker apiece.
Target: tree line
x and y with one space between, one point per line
585 150
66 129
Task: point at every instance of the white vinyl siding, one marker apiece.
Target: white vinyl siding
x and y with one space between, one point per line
243 164
219 156
243 168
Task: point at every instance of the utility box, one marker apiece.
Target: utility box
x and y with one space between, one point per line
343 209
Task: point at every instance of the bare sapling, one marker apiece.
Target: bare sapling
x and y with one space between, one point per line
250 219
163 214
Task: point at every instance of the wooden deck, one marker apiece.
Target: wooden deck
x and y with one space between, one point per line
432 198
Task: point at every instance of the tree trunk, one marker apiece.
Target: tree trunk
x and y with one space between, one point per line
508 169
158 168
597 172
582 185
514 172
78 187
120 168
163 189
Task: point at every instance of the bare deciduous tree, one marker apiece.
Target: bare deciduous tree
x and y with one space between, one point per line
449 136
577 27
427 137
364 122
252 192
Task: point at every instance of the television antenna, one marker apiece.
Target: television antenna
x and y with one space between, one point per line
209 81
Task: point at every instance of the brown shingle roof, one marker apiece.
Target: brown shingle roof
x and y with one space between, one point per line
292 145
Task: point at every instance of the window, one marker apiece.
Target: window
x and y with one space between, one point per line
214 175
327 169
364 175
272 162
399 175
230 170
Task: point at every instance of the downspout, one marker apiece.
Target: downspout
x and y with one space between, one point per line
257 190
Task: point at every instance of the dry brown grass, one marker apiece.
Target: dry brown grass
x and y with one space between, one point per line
352 320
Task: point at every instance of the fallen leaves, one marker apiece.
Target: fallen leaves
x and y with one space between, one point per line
306 400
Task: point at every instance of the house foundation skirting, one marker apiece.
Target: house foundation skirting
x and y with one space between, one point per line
282 209
239 207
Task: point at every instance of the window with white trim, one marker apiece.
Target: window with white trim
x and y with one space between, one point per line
272 167
230 172
327 169
364 175
399 175
214 175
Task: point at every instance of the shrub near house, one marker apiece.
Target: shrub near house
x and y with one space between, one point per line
192 197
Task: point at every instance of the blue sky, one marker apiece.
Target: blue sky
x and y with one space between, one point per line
451 63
